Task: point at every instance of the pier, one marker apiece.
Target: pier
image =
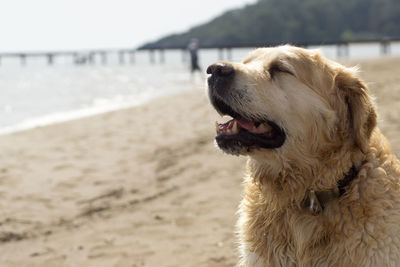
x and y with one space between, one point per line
157 53
225 50
81 57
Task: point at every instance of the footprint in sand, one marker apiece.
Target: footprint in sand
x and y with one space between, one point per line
88 170
62 167
184 221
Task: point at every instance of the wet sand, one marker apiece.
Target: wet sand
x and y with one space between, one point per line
143 186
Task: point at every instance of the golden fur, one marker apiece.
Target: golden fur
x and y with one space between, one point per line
330 122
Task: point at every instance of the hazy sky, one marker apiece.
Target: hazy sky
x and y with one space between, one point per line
27 25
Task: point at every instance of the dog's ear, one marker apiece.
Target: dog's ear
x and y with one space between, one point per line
360 108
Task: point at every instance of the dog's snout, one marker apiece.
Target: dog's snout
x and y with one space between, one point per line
221 69
221 78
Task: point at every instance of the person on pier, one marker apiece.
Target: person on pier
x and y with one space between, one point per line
193 49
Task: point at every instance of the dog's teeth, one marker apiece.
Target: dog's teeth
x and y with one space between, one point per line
228 131
216 126
234 127
263 127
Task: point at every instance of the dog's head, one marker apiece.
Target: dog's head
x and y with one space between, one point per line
290 101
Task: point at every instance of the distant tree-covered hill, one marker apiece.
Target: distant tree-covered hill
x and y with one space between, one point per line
294 21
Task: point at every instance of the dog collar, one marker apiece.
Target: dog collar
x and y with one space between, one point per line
315 201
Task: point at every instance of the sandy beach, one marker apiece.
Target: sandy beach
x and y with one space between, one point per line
143 186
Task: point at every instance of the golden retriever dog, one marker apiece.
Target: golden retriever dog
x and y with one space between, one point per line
322 188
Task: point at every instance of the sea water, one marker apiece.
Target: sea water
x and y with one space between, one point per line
39 94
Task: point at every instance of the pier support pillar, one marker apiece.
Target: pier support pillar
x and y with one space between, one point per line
385 47
75 58
23 59
343 50
229 53
121 56
50 59
132 57
220 54
104 58
90 58
162 56
151 54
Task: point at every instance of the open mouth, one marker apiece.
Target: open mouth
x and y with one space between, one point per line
243 135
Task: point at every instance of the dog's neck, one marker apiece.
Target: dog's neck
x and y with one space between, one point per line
293 186
315 201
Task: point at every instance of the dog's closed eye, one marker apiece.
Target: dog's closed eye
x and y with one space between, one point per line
277 68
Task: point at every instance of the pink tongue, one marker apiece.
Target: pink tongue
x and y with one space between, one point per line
248 125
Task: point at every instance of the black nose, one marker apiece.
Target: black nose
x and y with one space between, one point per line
221 69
